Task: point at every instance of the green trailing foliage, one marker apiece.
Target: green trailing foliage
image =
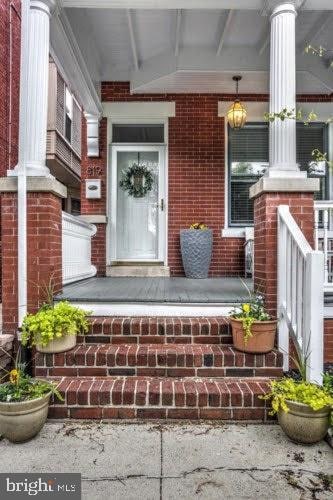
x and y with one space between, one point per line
299 391
52 322
248 313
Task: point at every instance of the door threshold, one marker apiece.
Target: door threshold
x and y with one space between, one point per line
136 271
137 263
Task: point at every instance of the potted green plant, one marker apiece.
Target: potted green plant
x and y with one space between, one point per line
196 245
24 403
303 409
53 328
253 329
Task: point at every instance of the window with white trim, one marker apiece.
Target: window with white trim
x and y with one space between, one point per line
248 154
68 115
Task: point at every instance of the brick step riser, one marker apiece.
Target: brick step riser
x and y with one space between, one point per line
99 413
158 361
156 326
157 372
162 399
154 339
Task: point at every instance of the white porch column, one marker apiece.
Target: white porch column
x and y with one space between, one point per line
282 137
34 98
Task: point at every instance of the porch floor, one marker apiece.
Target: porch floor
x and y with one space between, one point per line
224 290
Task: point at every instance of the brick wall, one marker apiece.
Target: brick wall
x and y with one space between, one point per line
265 236
9 87
196 170
44 247
196 174
328 341
95 168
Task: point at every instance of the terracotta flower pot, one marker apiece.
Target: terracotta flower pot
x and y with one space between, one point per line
61 344
302 424
22 421
263 336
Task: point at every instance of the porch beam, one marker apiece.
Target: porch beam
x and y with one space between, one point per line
132 39
187 4
224 31
178 31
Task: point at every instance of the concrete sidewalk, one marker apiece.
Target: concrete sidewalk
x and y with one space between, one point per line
121 461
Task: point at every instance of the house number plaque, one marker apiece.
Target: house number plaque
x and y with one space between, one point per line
94 171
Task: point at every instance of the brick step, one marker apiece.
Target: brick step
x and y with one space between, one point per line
158 360
157 330
161 398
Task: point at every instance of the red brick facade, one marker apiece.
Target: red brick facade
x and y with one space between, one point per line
95 168
44 249
196 168
9 82
265 236
10 24
328 340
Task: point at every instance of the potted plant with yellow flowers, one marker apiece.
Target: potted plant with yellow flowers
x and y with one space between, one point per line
24 403
253 329
196 245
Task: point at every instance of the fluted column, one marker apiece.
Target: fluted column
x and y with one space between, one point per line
282 137
34 91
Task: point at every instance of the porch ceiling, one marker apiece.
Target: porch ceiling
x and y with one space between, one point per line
175 50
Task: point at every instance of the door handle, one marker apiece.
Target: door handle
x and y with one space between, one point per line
161 205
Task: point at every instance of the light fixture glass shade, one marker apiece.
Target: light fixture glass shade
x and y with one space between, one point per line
236 115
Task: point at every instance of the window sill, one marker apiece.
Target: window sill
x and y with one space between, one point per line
235 232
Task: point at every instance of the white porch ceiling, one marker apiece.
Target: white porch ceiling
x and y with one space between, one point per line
194 50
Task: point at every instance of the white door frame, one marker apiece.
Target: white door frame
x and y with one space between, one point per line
162 215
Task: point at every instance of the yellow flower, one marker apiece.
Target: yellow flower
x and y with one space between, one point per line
246 308
14 376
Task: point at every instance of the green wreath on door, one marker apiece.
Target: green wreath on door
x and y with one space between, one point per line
137 181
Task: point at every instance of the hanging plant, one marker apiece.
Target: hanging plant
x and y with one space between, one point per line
137 181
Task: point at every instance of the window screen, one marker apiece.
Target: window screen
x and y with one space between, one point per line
248 159
144 134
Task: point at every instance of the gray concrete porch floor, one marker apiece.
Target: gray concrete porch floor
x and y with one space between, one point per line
160 290
176 461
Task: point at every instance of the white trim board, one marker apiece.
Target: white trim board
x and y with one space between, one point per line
139 110
155 310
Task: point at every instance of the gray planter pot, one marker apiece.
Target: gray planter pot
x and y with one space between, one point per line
20 422
302 424
196 248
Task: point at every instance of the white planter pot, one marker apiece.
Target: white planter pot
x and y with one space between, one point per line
61 344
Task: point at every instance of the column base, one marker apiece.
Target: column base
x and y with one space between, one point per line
276 173
32 171
285 184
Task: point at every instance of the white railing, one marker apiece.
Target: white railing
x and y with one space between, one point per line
324 238
300 295
76 249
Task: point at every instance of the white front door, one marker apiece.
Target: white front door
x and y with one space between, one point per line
138 220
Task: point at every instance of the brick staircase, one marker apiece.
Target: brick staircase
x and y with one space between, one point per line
159 368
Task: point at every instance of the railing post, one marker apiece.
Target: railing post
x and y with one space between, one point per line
313 340
283 333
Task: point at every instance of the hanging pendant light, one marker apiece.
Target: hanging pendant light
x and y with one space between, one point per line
237 113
